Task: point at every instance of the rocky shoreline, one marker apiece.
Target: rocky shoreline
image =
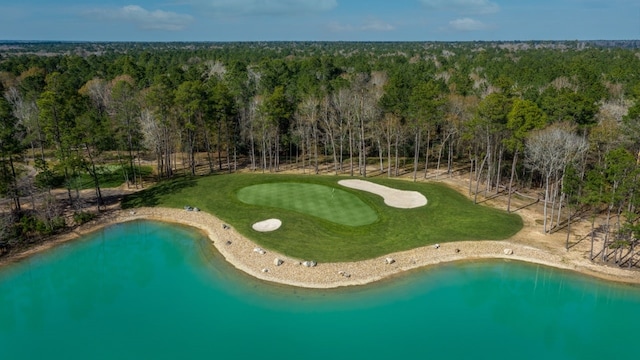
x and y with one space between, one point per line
278 268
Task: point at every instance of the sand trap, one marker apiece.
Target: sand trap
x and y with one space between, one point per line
267 225
392 197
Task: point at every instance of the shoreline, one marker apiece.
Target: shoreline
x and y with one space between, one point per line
239 252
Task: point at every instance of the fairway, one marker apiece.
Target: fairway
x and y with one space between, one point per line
323 224
321 201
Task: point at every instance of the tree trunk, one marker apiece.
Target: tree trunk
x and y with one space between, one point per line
440 153
478 173
606 234
381 155
315 149
229 142
397 160
568 230
416 155
489 168
350 152
16 191
363 147
593 236
513 172
94 177
207 144
450 159
426 162
561 202
499 169
554 193
389 156
546 200
473 161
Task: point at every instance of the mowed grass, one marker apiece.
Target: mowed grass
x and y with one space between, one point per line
325 202
448 216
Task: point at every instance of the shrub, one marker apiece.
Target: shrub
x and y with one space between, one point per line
49 179
56 224
83 217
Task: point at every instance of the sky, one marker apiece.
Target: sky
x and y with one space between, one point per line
319 20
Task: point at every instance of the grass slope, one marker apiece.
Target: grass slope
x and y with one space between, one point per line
448 216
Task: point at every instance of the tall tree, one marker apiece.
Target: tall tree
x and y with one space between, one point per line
190 96
10 150
58 122
426 104
223 112
489 129
125 113
619 176
524 116
158 124
277 111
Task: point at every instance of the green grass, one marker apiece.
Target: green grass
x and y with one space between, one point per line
325 202
110 176
448 216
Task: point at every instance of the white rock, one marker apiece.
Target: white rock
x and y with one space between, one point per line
389 261
265 270
508 251
278 262
259 251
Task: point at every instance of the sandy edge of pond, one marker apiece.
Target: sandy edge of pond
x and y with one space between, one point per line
239 251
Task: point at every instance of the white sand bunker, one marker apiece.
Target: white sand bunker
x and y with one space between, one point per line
267 225
392 197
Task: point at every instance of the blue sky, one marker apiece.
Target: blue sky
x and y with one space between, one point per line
318 20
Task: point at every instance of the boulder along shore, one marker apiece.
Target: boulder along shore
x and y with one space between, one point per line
270 266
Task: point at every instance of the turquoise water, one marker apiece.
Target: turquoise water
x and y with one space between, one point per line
157 291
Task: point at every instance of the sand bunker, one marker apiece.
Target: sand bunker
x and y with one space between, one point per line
392 197
267 225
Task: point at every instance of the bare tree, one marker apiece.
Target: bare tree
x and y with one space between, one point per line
331 127
549 151
306 127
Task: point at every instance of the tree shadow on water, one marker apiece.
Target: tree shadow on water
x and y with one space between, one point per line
151 197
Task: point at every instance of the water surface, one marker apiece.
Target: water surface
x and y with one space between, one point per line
152 290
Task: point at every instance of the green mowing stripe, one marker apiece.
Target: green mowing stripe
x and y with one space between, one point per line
321 201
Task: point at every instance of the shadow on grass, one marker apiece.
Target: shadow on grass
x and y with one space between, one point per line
151 196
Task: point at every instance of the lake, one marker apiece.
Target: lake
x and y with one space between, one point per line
148 289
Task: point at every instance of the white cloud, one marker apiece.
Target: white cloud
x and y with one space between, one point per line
467 24
335 26
144 19
370 25
264 7
376 25
463 6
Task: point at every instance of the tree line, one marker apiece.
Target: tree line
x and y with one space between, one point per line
559 119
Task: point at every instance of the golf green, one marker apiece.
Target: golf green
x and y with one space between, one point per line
308 234
321 201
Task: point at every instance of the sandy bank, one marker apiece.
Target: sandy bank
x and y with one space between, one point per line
239 251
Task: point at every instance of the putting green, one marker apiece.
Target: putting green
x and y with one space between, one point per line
321 201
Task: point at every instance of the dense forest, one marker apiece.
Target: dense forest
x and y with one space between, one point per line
558 119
